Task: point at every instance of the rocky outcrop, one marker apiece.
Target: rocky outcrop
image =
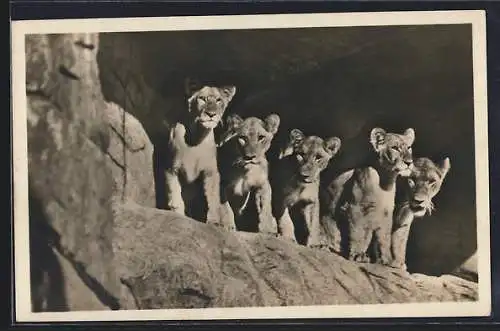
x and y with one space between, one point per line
85 155
468 269
175 262
98 243
69 173
131 152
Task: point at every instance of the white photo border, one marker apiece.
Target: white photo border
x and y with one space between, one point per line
476 18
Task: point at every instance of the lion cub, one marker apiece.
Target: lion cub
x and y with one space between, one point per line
360 202
244 169
418 190
296 182
191 153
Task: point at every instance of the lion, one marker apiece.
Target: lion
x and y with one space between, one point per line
360 202
418 190
296 185
191 152
244 169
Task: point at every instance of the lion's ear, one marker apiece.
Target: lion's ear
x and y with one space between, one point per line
377 138
409 136
445 167
287 151
295 138
332 145
272 123
233 122
191 86
228 92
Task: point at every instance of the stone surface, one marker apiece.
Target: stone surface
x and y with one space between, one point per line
468 269
69 174
132 154
165 269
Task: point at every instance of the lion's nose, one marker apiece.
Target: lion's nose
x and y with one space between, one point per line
248 157
408 163
211 114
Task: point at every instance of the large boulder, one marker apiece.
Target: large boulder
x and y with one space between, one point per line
176 262
69 175
81 158
132 153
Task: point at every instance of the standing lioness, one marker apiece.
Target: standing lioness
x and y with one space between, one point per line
191 153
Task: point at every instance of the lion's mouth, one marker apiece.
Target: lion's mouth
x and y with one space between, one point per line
421 208
307 179
417 207
210 121
405 172
246 161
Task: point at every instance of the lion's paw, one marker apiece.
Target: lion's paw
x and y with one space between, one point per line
287 238
221 225
359 257
398 265
321 247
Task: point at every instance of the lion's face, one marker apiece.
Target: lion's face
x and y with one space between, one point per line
208 103
310 154
394 150
252 136
424 184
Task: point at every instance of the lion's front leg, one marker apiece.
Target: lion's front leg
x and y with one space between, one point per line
383 243
285 225
267 223
399 240
311 217
174 193
211 189
330 234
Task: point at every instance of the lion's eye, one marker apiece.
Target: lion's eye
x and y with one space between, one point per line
242 141
218 100
202 99
262 137
318 158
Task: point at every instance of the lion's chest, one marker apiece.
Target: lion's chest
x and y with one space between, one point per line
368 201
191 161
247 180
301 192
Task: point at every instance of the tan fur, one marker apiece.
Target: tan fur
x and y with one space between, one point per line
419 189
245 168
192 152
296 184
360 202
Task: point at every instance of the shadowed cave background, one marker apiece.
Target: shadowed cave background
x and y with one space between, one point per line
326 81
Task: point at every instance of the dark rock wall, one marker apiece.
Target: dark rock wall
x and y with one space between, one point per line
329 81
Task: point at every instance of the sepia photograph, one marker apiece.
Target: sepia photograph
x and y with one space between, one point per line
251 166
